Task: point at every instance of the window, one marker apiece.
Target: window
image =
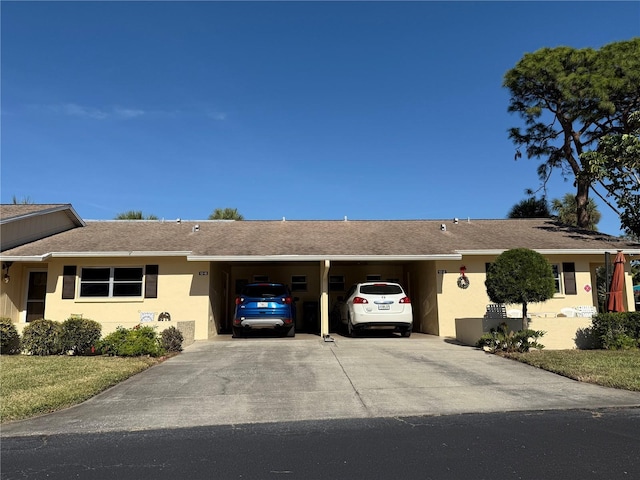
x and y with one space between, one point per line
336 283
111 282
556 277
298 283
565 278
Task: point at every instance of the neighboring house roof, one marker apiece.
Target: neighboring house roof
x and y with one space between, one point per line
316 240
15 212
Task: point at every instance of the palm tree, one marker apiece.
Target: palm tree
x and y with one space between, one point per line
566 211
22 201
226 214
134 215
530 208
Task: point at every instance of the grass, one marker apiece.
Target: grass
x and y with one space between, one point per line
32 385
610 368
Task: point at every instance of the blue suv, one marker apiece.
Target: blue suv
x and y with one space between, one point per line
265 305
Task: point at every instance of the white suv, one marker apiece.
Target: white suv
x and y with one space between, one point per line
376 305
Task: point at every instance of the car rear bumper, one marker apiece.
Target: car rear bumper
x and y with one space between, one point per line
256 323
372 320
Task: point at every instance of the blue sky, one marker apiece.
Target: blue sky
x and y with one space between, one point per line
303 110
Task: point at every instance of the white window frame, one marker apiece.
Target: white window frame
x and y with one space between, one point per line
333 282
111 282
557 278
298 283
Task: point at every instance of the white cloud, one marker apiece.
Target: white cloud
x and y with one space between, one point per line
76 110
220 116
128 112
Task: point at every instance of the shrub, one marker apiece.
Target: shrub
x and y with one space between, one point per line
616 331
134 342
9 338
79 335
42 337
171 339
502 339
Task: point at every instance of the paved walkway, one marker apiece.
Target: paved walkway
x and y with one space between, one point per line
234 381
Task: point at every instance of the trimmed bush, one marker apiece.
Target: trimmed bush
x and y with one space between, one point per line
501 339
616 331
9 338
137 341
171 339
79 335
42 337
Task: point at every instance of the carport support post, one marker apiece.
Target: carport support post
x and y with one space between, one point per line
324 297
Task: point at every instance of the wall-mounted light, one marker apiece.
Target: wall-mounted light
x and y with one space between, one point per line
5 266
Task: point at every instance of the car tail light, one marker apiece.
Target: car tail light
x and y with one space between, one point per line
288 321
287 300
239 300
360 300
405 300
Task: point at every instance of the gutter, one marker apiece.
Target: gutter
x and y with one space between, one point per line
316 258
549 251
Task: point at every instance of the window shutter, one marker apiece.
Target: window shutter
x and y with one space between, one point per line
151 281
569 274
69 281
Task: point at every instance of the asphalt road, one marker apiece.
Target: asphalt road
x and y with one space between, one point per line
563 444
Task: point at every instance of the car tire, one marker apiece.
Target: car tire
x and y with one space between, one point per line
406 332
237 332
291 332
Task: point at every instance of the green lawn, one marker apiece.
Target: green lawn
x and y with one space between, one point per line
32 385
611 368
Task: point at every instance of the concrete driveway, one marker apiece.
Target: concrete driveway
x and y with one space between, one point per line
234 381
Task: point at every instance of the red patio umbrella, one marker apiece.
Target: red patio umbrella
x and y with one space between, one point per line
615 303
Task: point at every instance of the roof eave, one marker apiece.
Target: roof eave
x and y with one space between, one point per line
556 251
315 258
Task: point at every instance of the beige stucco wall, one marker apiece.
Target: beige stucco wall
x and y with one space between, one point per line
559 333
183 292
454 302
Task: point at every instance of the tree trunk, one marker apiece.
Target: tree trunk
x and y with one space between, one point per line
525 321
582 201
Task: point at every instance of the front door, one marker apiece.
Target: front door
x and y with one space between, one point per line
35 295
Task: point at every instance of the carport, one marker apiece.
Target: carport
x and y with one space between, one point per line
318 283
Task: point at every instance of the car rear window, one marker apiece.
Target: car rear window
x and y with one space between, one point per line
264 291
381 289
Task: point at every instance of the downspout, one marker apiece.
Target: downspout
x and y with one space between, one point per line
324 298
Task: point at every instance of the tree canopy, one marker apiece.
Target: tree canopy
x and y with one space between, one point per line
520 276
578 107
134 215
565 211
531 207
226 214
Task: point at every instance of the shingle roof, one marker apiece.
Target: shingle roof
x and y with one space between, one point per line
12 212
311 239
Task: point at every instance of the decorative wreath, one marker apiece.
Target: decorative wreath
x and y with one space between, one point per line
463 281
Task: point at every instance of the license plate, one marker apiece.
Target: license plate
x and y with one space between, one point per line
263 304
384 307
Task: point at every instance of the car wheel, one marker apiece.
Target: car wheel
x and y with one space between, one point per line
406 332
291 332
237 332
